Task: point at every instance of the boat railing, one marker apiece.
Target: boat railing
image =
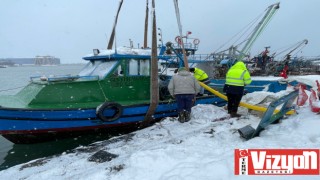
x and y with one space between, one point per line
192 55
186 46
57 78
88 78
201 57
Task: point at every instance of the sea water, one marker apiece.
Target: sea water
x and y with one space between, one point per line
13 79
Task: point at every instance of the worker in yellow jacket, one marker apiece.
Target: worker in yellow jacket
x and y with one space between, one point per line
201 76
236 78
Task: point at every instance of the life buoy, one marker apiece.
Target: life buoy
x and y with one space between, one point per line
109 105
178 40
196 41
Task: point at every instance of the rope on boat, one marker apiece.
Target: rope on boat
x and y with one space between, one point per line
105 97
11 89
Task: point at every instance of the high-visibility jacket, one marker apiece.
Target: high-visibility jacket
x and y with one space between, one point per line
200 74
238 75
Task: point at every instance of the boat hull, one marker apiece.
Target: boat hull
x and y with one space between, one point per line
23 126
257 85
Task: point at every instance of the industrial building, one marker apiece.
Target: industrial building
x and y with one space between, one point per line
38 60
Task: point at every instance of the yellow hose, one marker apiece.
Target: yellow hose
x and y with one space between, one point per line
249 106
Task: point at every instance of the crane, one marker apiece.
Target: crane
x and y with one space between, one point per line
293 65
233 53
270 11
299 45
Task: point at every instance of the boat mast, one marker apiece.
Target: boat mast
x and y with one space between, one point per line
110 44
154 86
185 60
145 43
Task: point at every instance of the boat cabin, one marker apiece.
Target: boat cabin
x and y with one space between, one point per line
121 76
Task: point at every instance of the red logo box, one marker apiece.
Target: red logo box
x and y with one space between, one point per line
276 161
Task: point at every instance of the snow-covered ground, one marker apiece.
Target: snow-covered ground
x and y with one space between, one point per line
201 149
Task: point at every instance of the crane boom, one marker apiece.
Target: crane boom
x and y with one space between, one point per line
304 42
270 11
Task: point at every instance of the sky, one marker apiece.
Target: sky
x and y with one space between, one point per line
202 148
71 29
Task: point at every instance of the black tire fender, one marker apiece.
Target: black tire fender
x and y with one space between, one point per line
109 105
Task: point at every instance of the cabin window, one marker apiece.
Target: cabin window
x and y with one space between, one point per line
97 68
118 71
87 69
139 67
133 67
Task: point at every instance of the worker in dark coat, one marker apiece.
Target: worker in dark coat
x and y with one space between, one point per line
183 86
236 78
